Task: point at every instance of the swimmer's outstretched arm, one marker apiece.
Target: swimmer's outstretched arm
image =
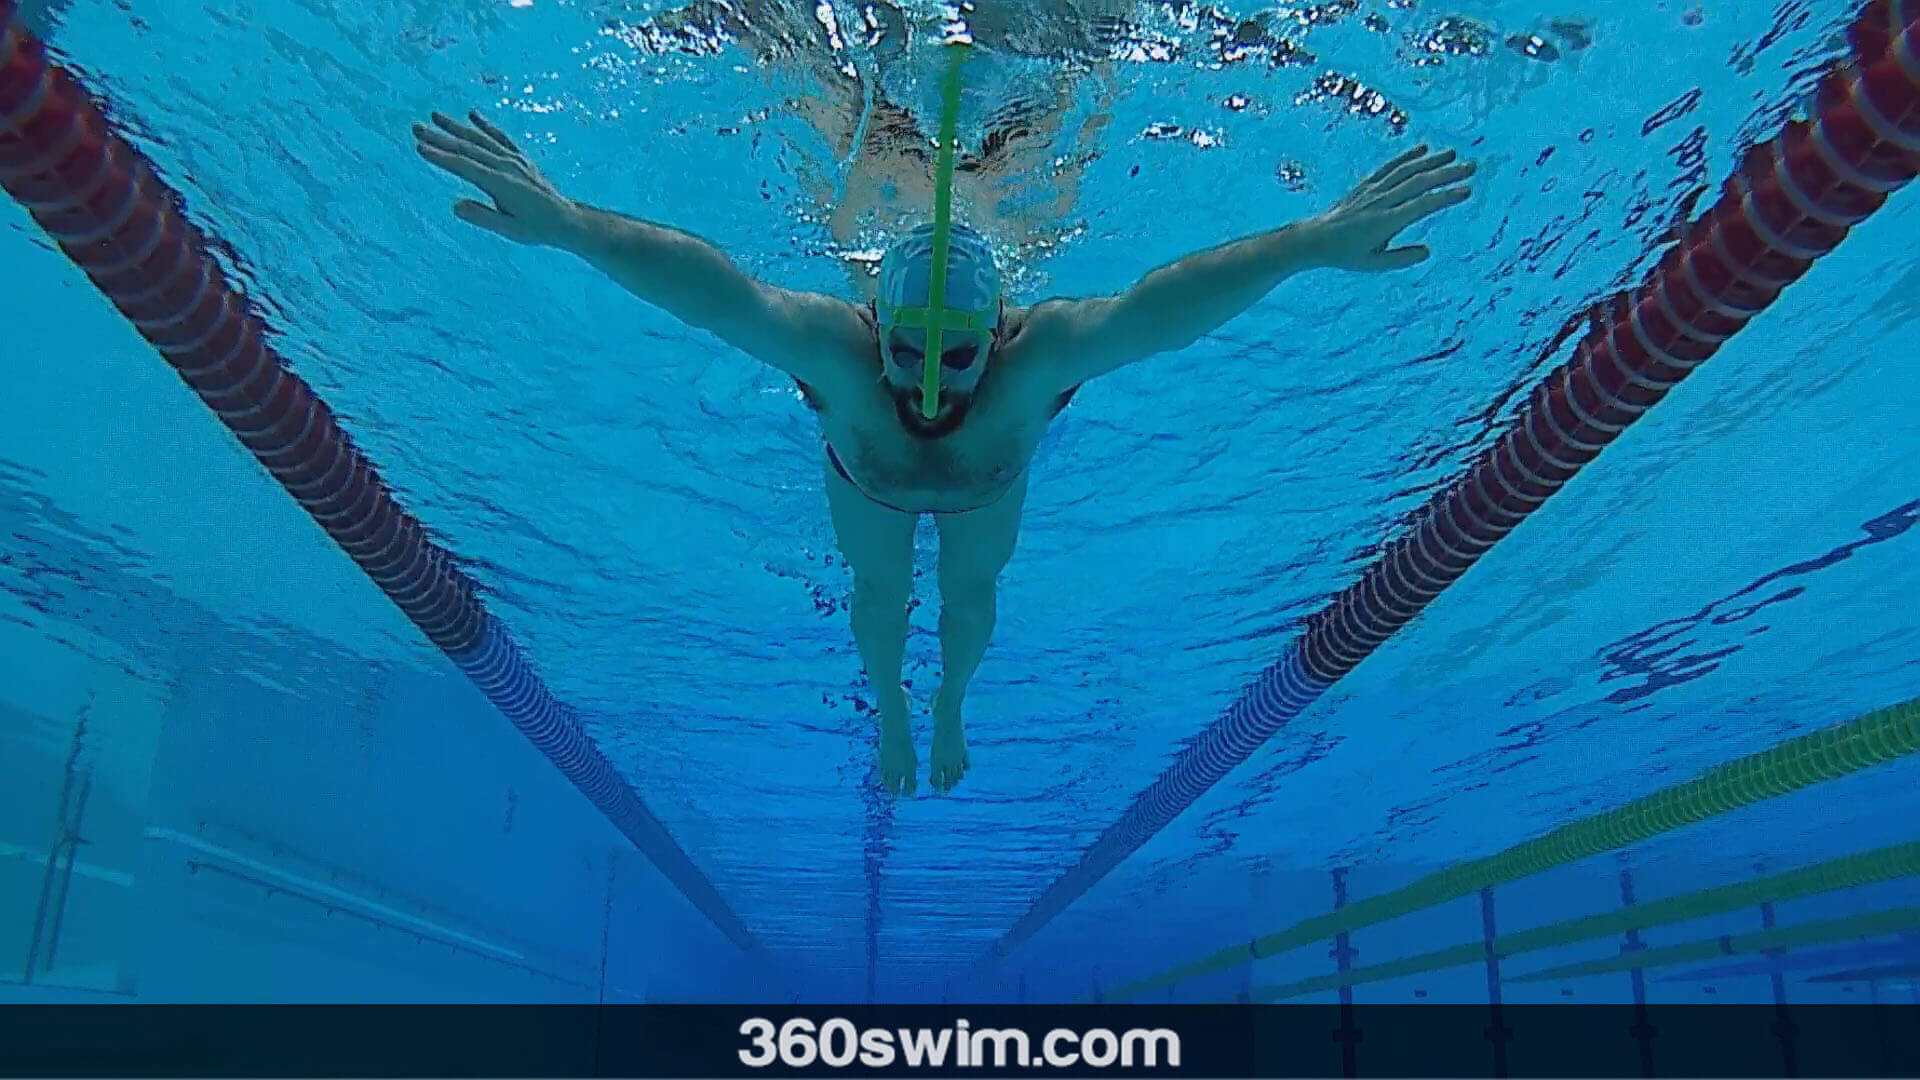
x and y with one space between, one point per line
1178 304
807 335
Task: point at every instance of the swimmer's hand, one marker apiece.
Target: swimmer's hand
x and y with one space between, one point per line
1411 188
526 209
1176 305
820 340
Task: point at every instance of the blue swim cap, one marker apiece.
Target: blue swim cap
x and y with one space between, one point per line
973 279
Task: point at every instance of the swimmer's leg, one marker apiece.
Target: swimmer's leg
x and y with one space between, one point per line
878 544
973 549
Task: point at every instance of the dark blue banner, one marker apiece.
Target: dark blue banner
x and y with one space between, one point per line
956 1040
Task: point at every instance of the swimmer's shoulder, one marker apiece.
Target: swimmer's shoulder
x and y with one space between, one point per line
1037 336
1017 334
1035 343
847 347
835 336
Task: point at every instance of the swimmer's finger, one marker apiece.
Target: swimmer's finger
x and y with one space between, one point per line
486 217
1427 205
1403 257
460 147
468 135
494 133
1421 183
438 139
1415 168
454 127
457 164
1382 172
477 213
472 172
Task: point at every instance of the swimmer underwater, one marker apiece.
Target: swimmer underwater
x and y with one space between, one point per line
933 399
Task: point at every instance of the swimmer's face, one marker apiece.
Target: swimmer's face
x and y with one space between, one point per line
963 359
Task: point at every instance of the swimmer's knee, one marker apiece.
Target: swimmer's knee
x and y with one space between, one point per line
968 614
888 588
968 591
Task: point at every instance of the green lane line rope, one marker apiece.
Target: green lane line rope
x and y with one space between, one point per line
1797 763
1825 932
1846 872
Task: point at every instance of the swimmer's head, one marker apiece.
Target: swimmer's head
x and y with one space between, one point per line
969 318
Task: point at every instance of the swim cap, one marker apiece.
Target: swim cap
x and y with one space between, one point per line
906 274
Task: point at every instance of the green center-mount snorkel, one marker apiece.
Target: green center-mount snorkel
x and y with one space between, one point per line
934 318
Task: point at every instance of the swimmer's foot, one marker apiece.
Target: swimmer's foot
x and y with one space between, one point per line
899 765
950 761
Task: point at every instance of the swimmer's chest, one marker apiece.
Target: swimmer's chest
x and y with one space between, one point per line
987 452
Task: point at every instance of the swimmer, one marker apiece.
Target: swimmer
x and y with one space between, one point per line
1019 181
949 435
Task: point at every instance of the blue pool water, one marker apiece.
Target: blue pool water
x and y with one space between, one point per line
644 510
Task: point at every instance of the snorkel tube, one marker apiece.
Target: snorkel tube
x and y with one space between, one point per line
942 230
933 317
